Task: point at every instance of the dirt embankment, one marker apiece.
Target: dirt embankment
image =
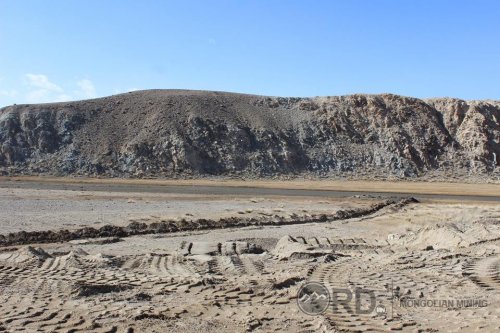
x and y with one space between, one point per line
137 228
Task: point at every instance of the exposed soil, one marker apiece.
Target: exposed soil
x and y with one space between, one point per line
137 228
246 278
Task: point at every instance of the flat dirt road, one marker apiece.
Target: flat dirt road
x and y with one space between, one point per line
302 188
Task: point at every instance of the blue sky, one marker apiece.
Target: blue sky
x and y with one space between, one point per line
53 50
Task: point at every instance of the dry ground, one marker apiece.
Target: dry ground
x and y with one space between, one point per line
246 279
413 187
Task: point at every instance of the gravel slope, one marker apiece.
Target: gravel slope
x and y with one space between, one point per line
179 133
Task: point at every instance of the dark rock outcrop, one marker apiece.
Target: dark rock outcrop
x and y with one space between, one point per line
174 133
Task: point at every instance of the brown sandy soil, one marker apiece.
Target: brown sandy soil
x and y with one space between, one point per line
37 209
246 279
437 188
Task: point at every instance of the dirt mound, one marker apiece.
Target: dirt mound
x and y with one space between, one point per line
81 259
289 247
178 133
448 236
25 256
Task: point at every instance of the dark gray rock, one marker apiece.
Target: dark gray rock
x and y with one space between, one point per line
175 133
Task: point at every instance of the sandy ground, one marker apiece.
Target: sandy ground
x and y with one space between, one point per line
37 209
246 279
411 187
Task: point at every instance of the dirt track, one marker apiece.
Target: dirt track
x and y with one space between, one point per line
421 191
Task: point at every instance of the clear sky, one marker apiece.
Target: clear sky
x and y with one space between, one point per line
52 50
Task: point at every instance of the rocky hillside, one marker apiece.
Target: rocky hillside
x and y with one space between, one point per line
176 133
